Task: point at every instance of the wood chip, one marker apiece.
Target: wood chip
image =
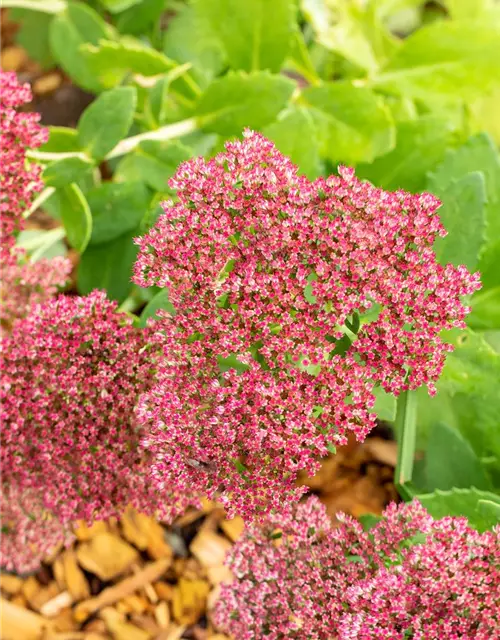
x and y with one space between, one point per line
162 615
10 584
54 606
84 532
30 588
74 578
164 591
64 620
17 623
106 555
13 58
120 629
209 548
47 83
174 632
384 451
233 528
44 595
189 600
219 574
109 596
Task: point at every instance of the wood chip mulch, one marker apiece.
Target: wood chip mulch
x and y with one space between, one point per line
137 579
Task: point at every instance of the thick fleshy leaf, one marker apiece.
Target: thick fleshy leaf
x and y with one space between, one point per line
240 100
296 135
255 34
462 502
354 124
75 215
66 171
107 121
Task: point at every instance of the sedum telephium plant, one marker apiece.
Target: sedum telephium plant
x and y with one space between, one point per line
410 576
309 294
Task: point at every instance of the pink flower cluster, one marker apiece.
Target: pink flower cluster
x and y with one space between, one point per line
30 532
26 284
72 372
409 576
269 275
19 132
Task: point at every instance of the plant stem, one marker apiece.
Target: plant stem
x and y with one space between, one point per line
37 202
48 156
406 428
45 6
50 238
167 132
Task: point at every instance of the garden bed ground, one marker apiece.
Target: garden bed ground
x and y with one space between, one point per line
136 579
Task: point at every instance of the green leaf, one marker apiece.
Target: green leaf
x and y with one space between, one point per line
109 266
159 302
477 154
485 314
112 61
445 59
461 502
153 162
33 34
471 378
472 9
139 17
354 124
76 217
76 25
42 243
190 38
61 140
385 405
240 100
462 214
117 208
65 171
489 264
115 6
420 145
296 136
106 121
255 34
490 510
463 469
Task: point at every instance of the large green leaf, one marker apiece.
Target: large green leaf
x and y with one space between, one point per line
462 214
485 314
240 100
446 59
75 215
109 266
471 378
107 121
477 154
489 264
255 34
33 34
420 145
61 140
115 6
138 18
76 25
65 171
111 61
354 124
153 162
117 208
295 134
159 302
462 502
190 38
451 462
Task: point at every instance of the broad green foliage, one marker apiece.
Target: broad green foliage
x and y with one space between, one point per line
408 97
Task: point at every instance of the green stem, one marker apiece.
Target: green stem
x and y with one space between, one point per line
37 202
45 6
49 156
50 238
406 429
167 132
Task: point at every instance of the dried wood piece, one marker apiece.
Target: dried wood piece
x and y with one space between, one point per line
17 623
164 591
146 534
384 451
146 622
174 632
47 83
83 532
58 571
133 529
209 548
54 606
189 600
219 574
133 604
150 573
233 528
30 588
43 596
120 629
162 615
148 587
64 620
10 584
74 578
106 555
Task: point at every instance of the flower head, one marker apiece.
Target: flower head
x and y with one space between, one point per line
293 300
409 576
